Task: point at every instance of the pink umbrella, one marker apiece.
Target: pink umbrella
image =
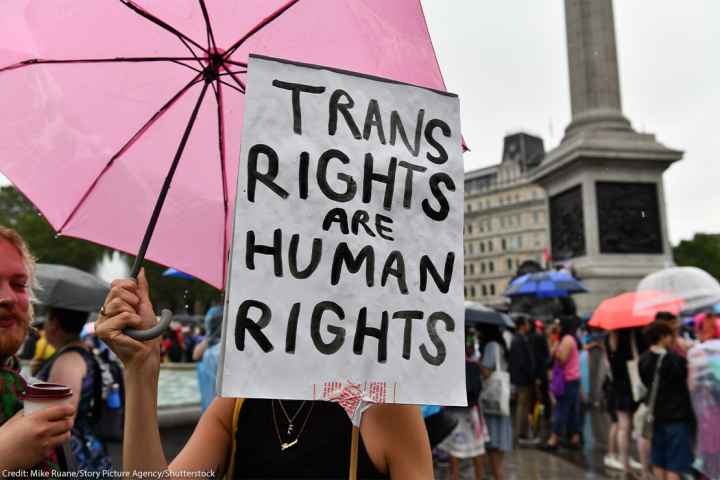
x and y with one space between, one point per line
101 99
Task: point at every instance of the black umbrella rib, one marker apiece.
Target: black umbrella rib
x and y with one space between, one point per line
232 72
164 25
234 77
208 26
43 61
265 22
230 85
146 126
237 64
223 169
140 257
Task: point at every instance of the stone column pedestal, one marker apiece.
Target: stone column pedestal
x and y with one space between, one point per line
607 209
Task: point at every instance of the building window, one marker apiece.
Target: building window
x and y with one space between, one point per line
519 242
481 227
482 247
502 222
536 216
472 269
503 244
470 248
490 246
491 266
465 292
484 291
482 267
489 226
465 269
472 291
492 289
469 207
470 228
509 264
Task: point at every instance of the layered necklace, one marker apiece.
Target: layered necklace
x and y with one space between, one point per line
291 442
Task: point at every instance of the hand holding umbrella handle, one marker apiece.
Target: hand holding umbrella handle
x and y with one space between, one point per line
165 315
143 335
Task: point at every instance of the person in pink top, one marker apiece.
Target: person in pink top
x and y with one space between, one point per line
566 417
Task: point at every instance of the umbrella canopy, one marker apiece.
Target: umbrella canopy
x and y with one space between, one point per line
174 273
67 287
697 288
545 285
101 99
477 313
620 312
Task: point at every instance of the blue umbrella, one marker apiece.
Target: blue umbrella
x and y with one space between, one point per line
545 285
172 273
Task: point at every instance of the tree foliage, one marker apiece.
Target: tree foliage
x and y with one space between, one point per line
18 213
703 251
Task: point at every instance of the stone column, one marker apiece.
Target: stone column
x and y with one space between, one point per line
593 66
604 181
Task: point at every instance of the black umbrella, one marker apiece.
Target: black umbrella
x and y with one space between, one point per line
477 313
61 286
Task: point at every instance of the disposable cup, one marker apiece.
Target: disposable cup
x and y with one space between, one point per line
40 396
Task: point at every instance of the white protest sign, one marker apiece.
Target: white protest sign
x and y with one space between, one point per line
345 277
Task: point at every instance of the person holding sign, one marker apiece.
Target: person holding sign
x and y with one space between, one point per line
393 441
343 284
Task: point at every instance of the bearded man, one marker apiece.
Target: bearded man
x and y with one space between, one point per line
26 441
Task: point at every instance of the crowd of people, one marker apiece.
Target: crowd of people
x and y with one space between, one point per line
526 386
640 376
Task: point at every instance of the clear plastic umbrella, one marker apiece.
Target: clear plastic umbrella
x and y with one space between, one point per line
697 288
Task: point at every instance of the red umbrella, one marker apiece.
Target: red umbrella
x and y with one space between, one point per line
620 311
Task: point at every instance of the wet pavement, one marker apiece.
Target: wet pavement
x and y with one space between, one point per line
526 464
532 463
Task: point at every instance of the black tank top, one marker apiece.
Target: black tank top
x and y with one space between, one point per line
322 451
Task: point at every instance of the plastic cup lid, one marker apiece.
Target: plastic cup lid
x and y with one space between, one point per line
46 391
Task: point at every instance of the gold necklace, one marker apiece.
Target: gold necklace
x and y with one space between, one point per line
290 421
285 445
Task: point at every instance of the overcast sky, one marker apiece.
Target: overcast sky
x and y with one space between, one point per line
507 61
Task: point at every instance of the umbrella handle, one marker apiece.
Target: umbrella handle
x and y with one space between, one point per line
143 335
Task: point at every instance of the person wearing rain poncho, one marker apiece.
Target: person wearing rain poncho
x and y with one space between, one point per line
704 383
207 354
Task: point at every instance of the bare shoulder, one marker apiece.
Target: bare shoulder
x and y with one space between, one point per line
210 445
70 361
221 410
395 437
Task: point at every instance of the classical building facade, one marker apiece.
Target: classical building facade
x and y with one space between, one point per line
506 222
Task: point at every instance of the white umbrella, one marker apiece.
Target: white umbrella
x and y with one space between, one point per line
697 288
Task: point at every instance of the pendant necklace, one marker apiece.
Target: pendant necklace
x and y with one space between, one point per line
291 426
290 443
